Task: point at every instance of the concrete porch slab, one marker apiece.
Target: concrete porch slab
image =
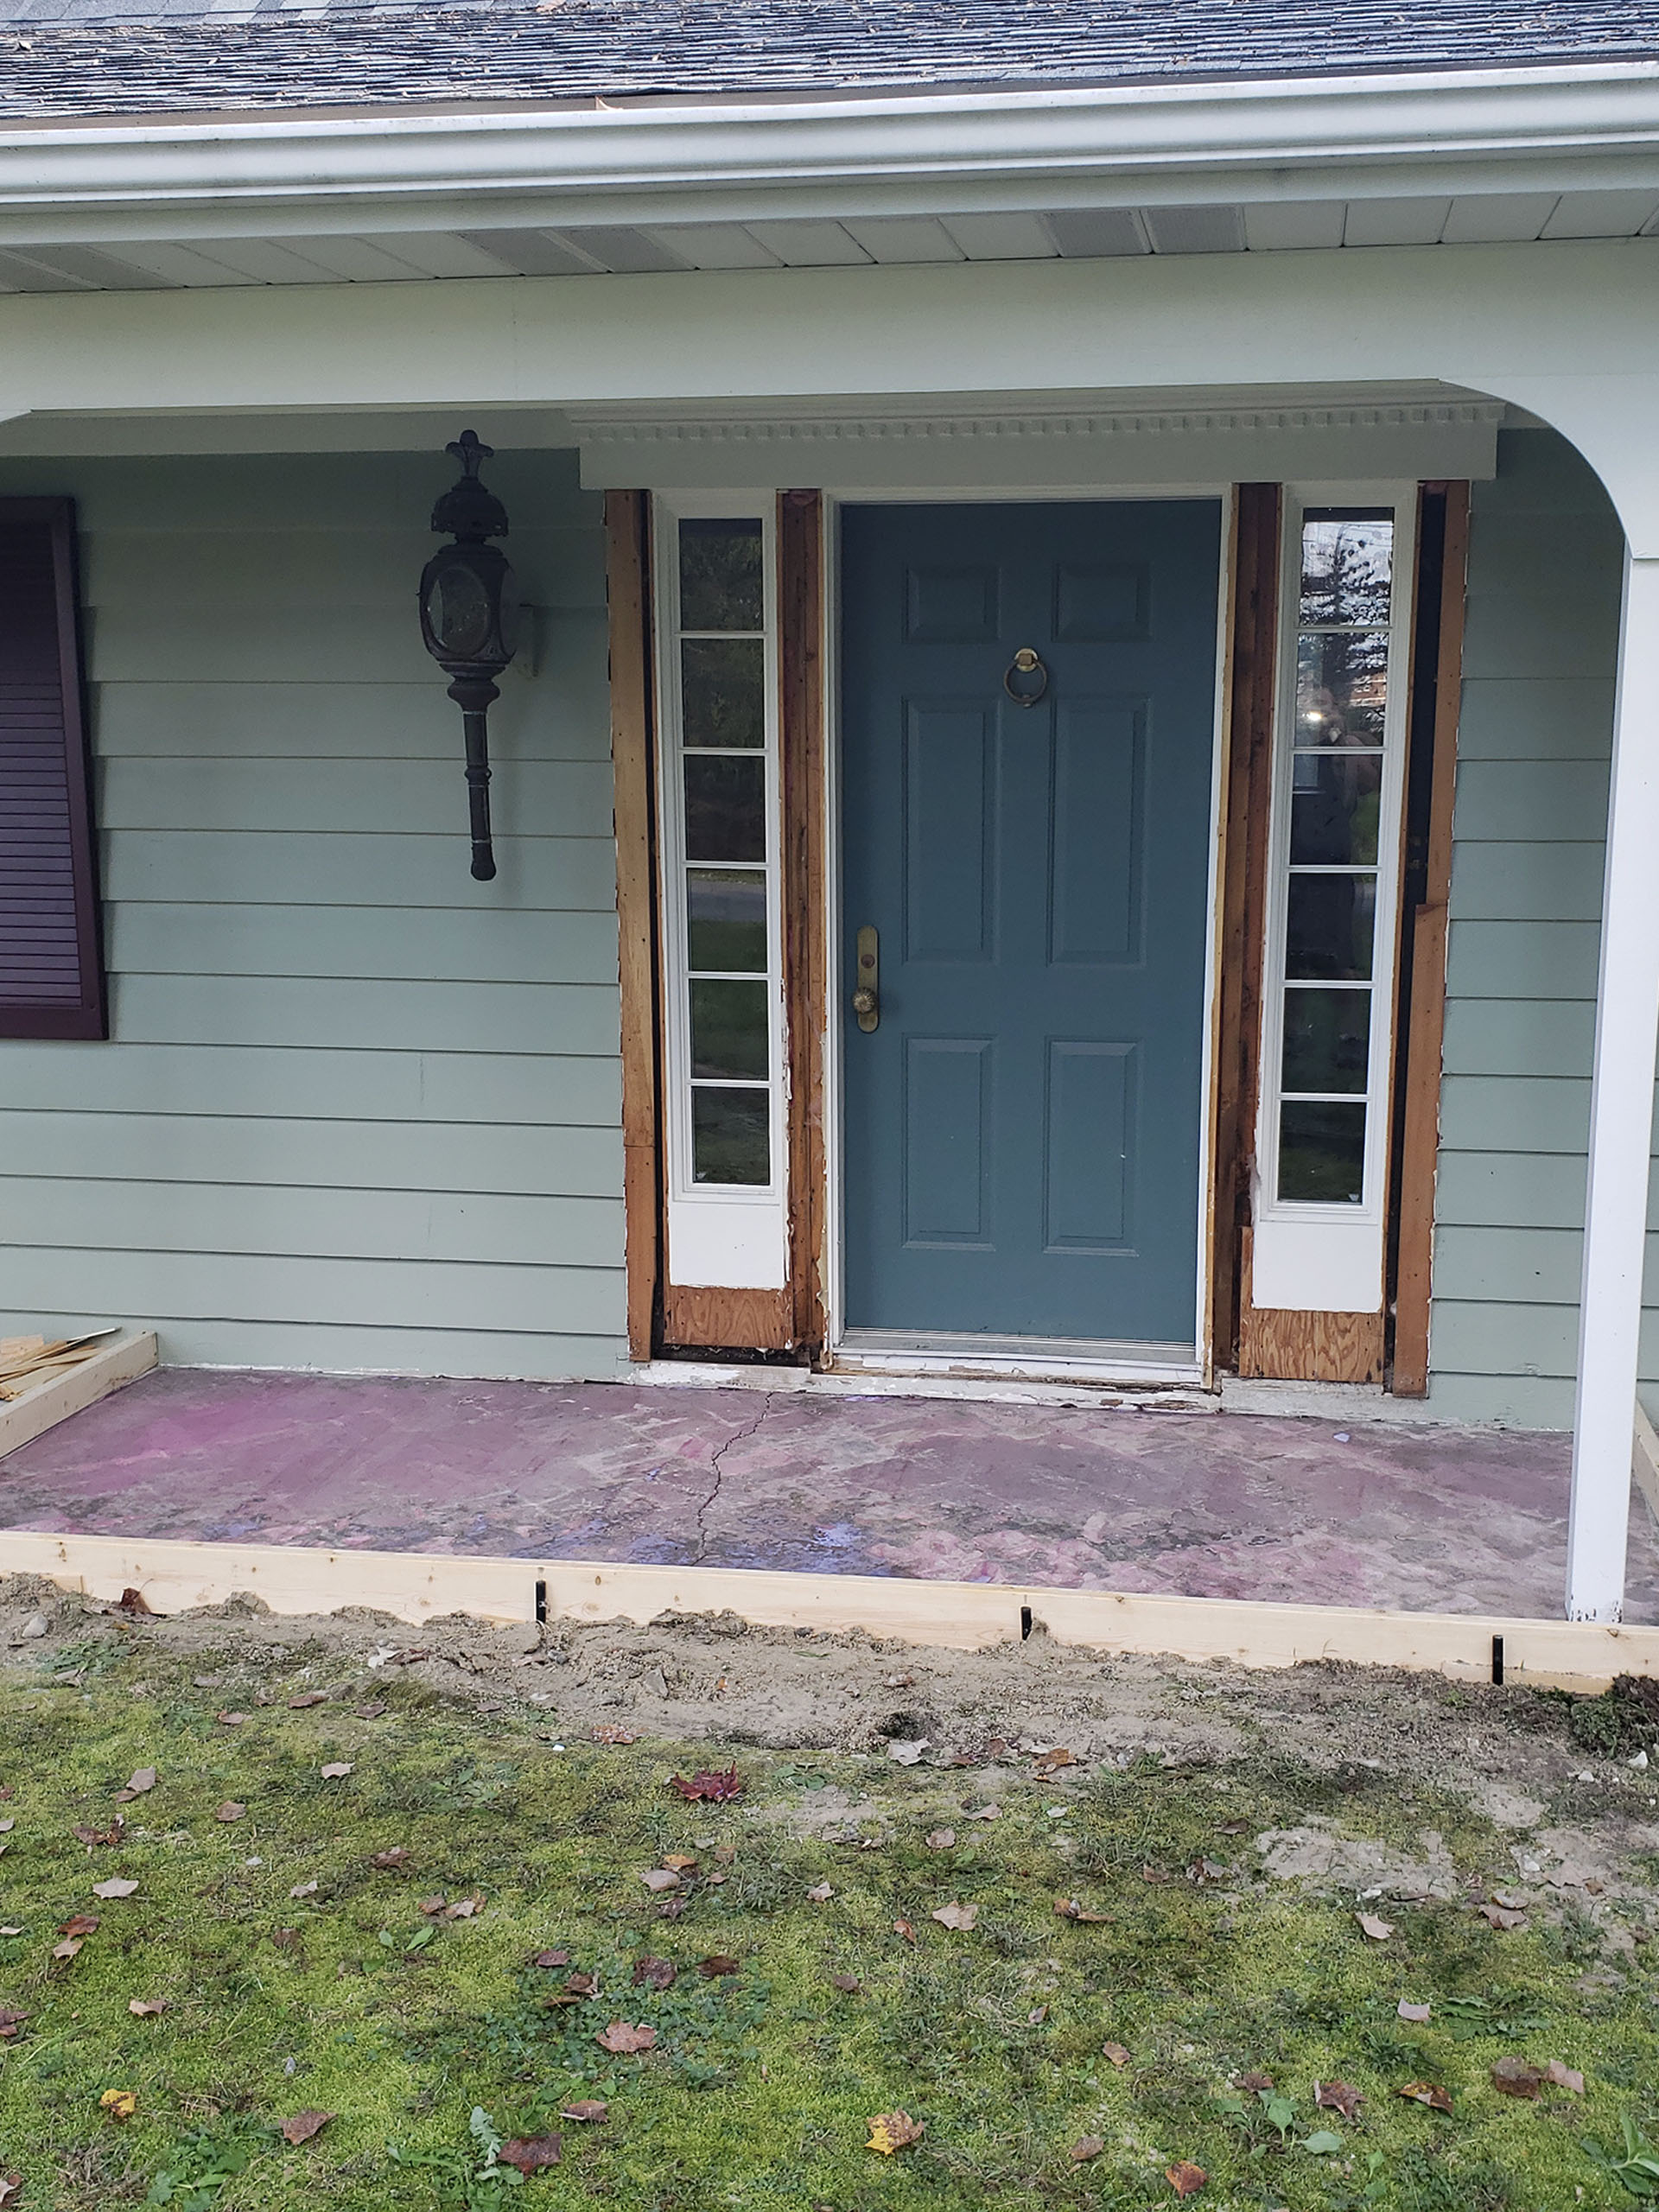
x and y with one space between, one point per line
1421 1519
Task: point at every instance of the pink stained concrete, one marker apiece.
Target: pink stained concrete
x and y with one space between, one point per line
1212 1506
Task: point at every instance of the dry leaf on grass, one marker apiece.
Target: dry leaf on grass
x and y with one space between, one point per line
230 1810
146 2008
961 1916
399 1855
907 1750
372 1711
133 1601
626 2039
986 1813
1252 2084
1116 2052
463 1909
10 2186
552 1959
660 1879
1515 2078
231 1719
820 1893
531 2154
892 2131
1427 2093
303 1890
1378 1931
1047 1763
1502 1916
654 1973
118 2104
719 1963
709 1786
11 2024
117 1886
1184 2178
847 1984
108 1836
307 1697
585 2108
304 2125
142 1782
335 1770
679 1862
612 1732
1338 2096
1420 2013
903 1928
1074 1908
1087 2147
1564 2077
942 1839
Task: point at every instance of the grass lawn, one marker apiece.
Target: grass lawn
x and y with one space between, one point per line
1174 2018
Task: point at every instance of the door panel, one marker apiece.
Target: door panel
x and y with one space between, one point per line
1023 1124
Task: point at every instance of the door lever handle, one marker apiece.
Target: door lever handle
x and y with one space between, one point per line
866 996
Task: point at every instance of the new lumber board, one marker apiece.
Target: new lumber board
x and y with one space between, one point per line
74 1389
175 1576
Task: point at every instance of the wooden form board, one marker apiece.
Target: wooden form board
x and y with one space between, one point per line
1420 1026
958 1616
22 1419
626 582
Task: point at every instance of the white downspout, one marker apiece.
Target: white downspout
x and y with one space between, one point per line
1621 1122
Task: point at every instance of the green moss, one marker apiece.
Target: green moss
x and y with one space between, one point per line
348 1998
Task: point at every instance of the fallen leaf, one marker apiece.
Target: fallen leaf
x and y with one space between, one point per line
585 2108
531 2154
303 1890
304 2125
624 2039
67 1949
1252 2084
335 1770
820 1893
582 1985
1338 2096
307 1697
1150 1873
986 1813
654 1973
1515 2078
372 1711
907 1750
80 1924
399 1855
847 1984
231 1719
1502 1917
131 1601
10 2186
679 1862
430 1906
942 1839
1037 2015
142 1782
610 1732
1512 1900
146 2008
719 1963
119 2104
659 1878
10 2024
285 1939
1378 1931
230 1810
715 1786
903 1928
1116 2052
961 1916
463 1909
1564 2077
1046 1762
1420 2013
892 2131
1184 2178
105 1836
552 1959
1207 1870
1427 2093
1087 2147
117 1886
1074 1908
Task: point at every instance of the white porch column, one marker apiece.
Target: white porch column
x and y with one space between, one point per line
1621 1120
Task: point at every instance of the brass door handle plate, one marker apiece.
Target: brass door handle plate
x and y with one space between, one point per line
1028 664
866 994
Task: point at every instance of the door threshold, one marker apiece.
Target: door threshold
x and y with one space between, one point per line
1094 1389
1026 1359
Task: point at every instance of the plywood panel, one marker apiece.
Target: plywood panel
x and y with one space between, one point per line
1311 1347
717 1320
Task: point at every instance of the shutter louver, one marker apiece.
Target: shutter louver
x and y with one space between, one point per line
51 962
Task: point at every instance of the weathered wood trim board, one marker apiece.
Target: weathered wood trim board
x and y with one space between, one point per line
958 1616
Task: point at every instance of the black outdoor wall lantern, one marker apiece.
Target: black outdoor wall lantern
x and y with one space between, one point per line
469 621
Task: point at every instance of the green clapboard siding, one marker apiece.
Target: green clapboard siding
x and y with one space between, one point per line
1534 740
358 1111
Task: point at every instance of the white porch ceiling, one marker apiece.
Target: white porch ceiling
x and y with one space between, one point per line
1072 234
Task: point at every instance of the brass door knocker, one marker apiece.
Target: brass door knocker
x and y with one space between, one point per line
1025 661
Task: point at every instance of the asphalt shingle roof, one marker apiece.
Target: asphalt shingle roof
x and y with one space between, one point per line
146 56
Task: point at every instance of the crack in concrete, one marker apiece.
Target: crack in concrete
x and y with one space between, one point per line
739 1436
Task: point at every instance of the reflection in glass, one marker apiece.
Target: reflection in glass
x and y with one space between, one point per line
1329 927
1347 565
1341 687
725 807
1335 798
720 575
728 1030
730 1137
723 690
1327 1040
1322 1153
726 919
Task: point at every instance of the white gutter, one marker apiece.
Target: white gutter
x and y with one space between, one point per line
1587 127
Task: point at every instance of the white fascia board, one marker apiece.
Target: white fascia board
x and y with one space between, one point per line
1332 138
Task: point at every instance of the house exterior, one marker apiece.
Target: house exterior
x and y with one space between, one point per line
1080 792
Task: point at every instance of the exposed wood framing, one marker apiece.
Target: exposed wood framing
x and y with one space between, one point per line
1246 809
131 1354
1280 1344
959 1615
627 573
800 542
703 1316
1421 1023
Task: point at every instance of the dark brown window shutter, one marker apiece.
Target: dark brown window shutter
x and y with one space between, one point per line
51 954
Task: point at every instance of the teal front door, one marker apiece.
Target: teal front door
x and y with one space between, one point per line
1028 707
